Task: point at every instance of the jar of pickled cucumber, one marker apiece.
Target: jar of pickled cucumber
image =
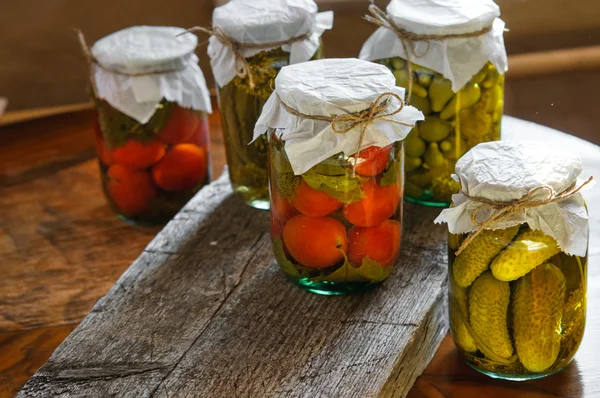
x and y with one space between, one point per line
151 125
452 61
517 259
335 170
251 41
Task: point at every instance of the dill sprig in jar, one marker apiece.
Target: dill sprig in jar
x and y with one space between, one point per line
518 241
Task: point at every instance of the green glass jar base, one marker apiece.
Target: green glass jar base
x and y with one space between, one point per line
516 376
254 197
427 200
333 288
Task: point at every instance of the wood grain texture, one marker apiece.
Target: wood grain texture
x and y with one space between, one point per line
447 375
23 352
204 311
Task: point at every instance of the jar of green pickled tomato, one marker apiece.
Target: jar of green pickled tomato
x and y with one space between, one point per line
267 35
518 277
150 121
453 61
335 173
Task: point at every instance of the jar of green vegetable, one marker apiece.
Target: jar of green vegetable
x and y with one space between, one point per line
518 241
250 41
452 62
151 126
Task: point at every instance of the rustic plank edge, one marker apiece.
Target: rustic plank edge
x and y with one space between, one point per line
204 312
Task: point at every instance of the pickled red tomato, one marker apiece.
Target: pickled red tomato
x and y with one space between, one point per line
379 204
372 161
130 190
312 202
181 125
200 137
281 212
139 155
315 242
380 243
182 168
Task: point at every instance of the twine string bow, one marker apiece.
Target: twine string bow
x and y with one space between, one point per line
344 122
505 210
242 66
408 39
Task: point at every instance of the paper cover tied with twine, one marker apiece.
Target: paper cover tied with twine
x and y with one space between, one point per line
527 175
135 68
457 59
259 22
330 106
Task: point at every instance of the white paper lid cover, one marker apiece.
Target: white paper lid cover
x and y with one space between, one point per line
265 21
142 65
508 170
504 171
433 17
331 87
144 49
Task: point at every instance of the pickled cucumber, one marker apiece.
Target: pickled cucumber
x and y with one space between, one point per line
459 315
402 80
421 104
433 129
440 93
433 156
476 257
412 163
414 145
488 307
537 310
466 97
530 249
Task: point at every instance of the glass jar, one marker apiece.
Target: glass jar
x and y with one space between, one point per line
518 243
149 171
240 107
336 228
517 302
251 40
454 123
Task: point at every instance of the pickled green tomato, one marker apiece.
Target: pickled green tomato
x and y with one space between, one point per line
454 123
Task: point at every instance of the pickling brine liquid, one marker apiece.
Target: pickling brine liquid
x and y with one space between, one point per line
336 228
454 123
517 302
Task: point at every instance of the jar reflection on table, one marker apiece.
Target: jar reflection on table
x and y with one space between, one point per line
335 231
524 317
454 123
150 171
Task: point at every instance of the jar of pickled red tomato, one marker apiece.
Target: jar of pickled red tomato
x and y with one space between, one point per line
517 279
335 170
454 62
269 35
151 121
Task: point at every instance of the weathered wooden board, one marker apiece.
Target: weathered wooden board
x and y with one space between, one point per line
205 312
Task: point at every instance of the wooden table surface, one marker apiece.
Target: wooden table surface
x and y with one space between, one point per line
61 249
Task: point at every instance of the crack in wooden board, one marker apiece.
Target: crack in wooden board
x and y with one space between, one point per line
204 311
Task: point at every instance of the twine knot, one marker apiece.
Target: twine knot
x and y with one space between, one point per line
408 39
242 66
344 122
506 210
